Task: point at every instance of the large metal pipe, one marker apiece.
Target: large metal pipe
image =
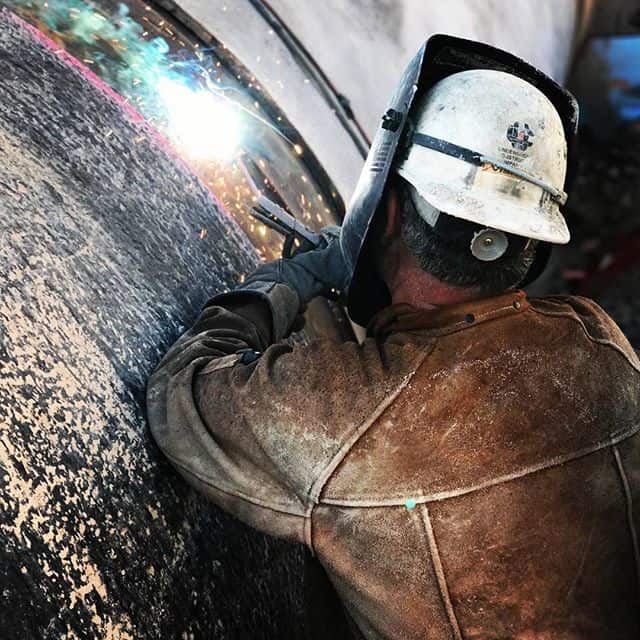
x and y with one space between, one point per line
108 247
103 259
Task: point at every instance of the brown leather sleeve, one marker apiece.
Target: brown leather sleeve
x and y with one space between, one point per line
260 438
203 448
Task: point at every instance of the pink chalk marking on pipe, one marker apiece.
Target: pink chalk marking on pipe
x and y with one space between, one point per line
133 115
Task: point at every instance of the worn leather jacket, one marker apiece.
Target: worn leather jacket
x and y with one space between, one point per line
471 472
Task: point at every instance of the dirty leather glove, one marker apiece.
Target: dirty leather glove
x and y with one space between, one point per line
288 284
314 272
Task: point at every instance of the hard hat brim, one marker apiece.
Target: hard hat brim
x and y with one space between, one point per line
486 197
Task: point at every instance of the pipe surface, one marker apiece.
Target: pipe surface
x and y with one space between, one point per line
102 264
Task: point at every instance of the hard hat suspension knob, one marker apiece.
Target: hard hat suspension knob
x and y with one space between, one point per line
489 244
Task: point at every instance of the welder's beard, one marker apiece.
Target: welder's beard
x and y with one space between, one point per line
444 251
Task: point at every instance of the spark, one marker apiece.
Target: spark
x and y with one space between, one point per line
200 124
209 115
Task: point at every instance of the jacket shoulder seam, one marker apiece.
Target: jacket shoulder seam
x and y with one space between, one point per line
604 342
315 490
549 463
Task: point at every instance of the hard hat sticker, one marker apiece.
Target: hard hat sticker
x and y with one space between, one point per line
520 136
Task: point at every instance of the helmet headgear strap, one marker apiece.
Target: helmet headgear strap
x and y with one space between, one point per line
479 159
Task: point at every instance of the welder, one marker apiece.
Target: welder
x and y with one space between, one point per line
472 469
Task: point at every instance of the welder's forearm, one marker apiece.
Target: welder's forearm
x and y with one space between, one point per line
246 322
257 313
235 322
200 409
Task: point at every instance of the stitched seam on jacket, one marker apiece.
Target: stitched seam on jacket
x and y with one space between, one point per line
629 500
325 475
487 316
237 494
454 493
439 571
607 343
308 531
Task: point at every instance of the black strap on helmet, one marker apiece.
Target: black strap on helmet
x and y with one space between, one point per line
479 159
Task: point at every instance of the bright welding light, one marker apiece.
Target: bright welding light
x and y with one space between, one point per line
203 125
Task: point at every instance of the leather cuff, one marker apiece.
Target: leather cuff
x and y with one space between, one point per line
284 303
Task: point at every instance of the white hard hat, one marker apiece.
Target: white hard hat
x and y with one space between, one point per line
489 147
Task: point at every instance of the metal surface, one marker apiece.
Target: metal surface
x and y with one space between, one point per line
338 102
246 33
103 263
364 45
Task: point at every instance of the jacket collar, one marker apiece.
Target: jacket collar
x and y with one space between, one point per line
447 319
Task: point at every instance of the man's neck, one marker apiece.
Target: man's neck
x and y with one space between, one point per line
409 284
426 292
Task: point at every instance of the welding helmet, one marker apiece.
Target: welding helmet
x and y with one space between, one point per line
478 134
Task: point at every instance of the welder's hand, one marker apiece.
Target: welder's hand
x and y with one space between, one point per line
288 284
318 272
326 264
